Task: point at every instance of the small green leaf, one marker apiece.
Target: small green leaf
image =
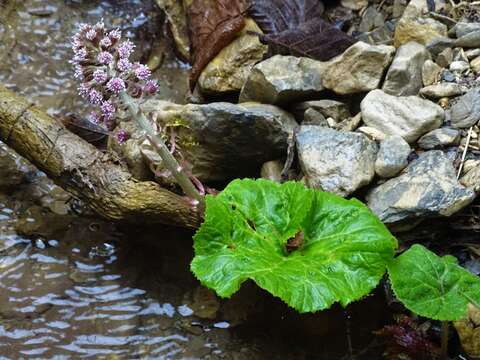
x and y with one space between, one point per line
339 253
432 286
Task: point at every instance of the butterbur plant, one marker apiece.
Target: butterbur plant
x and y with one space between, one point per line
113 84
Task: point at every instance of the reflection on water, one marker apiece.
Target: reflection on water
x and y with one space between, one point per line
77 287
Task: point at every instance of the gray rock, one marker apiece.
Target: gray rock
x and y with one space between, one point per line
472 53
409 116
229 70
281 79
222 140
12 171
314 117
459 66
359 69
470 40
466 111
446 89
464 28
328 108
354 4
445 57
335 161
371 19
475 64
437 45
405 74
392 156
439 138
428 187
430 73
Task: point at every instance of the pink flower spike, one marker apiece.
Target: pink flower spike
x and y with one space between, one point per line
116 85
105 58
78 74
95 97
105 42
142 72
151 87
122 136
84 90
108 109
91 35
124 65
125 49
115 34
100 76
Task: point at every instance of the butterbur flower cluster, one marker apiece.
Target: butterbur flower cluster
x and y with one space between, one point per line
101 62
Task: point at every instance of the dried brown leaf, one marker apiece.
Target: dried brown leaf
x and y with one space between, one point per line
213 25
295 27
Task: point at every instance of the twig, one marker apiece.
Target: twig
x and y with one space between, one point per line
290 155
444 348
467 144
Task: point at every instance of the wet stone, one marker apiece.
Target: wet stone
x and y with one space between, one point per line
392 156
428 187
334 161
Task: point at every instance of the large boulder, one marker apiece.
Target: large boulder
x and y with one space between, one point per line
428 187
282 79
359 69
407 116
335 161
223 140
405 74
229 70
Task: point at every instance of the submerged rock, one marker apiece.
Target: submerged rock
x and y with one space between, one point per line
392 156
409 117
428 187
334 161
229 70
439 138
282 79
405 74
225 140
466 111
359 69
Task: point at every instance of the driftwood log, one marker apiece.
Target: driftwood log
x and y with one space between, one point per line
87 173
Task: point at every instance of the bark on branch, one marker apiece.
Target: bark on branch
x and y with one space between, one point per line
84 171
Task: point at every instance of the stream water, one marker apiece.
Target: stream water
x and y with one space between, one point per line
74 286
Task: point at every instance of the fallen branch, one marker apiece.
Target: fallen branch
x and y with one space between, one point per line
81 169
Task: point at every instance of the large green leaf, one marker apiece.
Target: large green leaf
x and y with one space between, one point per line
432 286
343 256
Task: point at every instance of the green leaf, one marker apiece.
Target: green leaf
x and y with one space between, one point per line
432 286
343 256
